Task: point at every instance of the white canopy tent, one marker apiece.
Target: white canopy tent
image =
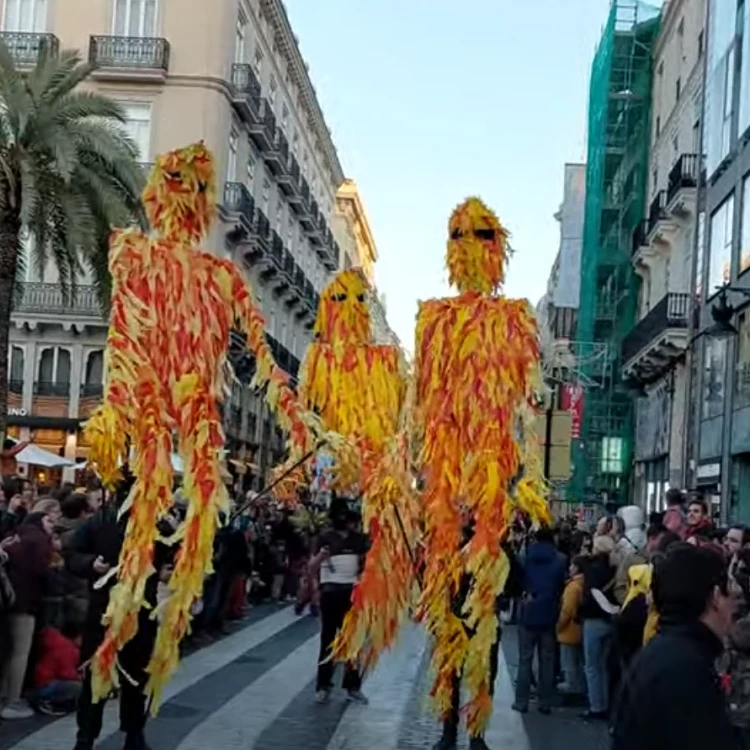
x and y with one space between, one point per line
36 456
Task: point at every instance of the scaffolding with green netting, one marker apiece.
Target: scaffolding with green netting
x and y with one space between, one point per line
616 177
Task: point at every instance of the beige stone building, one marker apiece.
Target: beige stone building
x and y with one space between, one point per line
230 73
653 352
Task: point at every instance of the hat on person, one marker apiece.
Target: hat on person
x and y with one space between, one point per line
603 545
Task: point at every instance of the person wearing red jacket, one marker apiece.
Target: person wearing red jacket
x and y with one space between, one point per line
56 676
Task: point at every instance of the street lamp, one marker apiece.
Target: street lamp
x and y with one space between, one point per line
722 313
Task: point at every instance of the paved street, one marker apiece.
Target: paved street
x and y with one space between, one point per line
254 689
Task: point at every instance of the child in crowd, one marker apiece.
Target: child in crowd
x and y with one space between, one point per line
57 681
570 633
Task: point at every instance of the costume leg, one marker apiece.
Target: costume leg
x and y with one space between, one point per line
133 660
89 714
200 441
151 497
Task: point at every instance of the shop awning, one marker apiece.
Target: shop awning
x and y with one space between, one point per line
36 456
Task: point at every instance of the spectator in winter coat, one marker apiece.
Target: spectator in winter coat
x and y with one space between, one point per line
569 631
75 511
28 562
596 612
674 517
699 525
543 582
672 698
56 677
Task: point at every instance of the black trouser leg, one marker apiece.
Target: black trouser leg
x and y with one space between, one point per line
334 604
450 722
89 715
134 659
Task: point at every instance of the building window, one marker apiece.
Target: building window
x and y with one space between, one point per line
678 89
234 138
95 369
284 118
720 79
611 455
250 173
295 143
290 234
258 60
279 216
138 127
266 196
720 249
25 15
701 42
658 126
745 226
54 371
240 38
135 18
273 88
742 379
16 377
744 114
714 377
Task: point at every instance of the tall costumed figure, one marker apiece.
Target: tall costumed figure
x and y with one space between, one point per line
357 388
173 308
476 359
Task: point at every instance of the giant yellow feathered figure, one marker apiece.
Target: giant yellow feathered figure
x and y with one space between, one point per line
172 310
476 358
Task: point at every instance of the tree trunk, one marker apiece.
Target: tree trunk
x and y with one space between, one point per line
10 232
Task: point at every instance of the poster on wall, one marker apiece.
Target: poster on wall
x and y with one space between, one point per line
572 401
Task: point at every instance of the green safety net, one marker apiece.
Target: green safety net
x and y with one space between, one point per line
616 178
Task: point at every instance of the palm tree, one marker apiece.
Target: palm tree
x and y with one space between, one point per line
68 174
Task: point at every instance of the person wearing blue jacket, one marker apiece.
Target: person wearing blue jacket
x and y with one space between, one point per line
543 575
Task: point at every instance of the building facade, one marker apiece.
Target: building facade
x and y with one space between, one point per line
616 167
720 432
654 362
229 73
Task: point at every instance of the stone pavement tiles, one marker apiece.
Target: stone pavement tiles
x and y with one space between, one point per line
255 690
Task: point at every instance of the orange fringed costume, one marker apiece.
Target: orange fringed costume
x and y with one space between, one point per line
172 310
358 390
475 354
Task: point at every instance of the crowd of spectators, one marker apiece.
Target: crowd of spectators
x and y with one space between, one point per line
56 542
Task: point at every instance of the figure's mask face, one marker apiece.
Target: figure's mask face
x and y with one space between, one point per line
343 314
477 248
180 195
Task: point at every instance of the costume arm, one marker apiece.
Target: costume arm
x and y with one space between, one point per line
303 429
108 428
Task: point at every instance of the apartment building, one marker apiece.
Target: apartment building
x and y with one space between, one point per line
720 455
231 73
654 350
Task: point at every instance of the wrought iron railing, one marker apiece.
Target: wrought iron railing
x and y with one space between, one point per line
15 386
92 390
262 225
657 209
49 388
25 48
672 311
237 200
683 175
40 298
244 80
146 53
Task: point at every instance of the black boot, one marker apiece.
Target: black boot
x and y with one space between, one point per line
478 743
135 741
447 741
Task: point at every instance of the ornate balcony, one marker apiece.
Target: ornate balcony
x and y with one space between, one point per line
658 338
682 186
277 158
48 302
238 204
129 57
262 129
288 179
246 91
25 48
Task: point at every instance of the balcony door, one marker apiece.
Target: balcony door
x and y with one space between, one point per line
138 127
25 16
135 18
54 372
